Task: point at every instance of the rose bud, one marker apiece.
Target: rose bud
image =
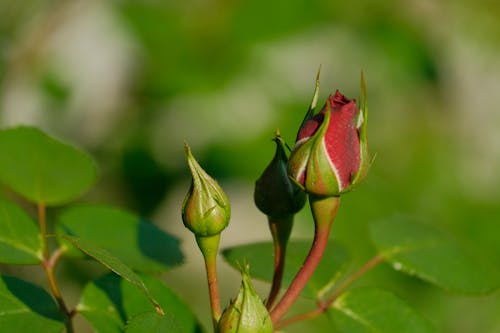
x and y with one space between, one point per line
331 153
206 209
247 313
275 194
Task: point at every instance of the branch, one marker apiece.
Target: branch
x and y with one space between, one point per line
324 211
49 264
324 305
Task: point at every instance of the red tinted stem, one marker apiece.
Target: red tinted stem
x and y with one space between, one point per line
324 210
280 229
325 305
209 246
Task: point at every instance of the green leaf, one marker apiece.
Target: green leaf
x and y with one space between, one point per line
432 255
260 257
43 169
141 245
114 264
20 239
153 322
25 307
108 303
370 310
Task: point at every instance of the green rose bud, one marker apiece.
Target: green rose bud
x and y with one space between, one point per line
275 194
247 313
206 209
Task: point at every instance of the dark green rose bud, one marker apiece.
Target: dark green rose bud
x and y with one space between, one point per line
247 313
206 209
275 194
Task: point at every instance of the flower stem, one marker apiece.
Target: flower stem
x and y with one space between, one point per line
49 264
324 210
42 221
49 270
280 230
324 305
209 246
356 275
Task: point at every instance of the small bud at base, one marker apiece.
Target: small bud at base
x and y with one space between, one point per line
247 313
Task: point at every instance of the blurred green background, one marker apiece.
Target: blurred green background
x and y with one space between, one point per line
129 81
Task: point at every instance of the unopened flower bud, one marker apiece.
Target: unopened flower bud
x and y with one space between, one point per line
331 153
206 209
247 313
275 194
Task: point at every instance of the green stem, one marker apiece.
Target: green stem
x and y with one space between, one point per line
42 221
281 228
49 265
209 246
324 210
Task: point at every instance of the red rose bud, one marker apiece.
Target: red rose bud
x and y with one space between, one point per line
331 154
275 194
206 209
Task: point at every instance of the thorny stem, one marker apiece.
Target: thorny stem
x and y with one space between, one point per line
280 230
324 305
324 210
49 264
208 247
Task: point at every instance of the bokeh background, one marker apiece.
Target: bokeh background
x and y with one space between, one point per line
130 81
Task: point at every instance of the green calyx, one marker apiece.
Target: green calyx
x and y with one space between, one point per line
275 194
247 313
310 112
362 122
311 159
206 208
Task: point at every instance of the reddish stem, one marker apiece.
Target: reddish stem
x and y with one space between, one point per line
280 230
323 306
213 288
301 317
324 211
209 246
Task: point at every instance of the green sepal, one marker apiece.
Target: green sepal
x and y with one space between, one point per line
362 123
321 179
247 313
314 101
